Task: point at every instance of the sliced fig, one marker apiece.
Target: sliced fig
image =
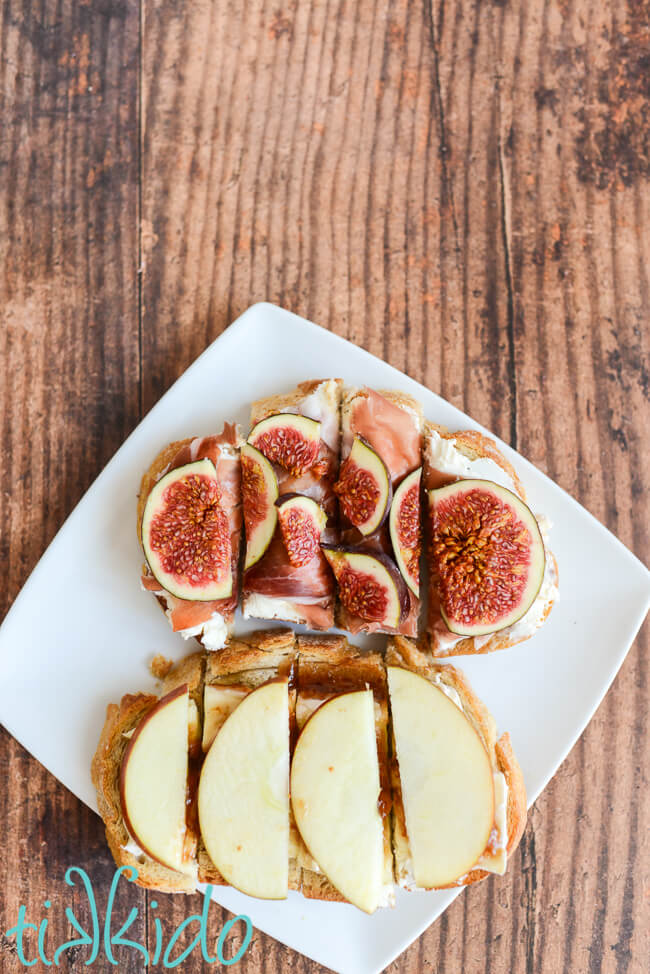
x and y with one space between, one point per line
370 586
302 521
186 536
404 527
259 487
287 439
488 554
364 487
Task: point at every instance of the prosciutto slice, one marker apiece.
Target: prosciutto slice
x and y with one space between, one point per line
395 434
308 589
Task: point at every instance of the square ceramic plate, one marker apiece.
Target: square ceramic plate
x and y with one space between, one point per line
94 564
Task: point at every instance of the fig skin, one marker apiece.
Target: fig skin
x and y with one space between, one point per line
386 486
406 485
387 562
259 538
477 548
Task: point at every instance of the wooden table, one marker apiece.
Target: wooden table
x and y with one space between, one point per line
460 188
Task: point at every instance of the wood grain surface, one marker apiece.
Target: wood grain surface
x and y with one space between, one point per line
459 187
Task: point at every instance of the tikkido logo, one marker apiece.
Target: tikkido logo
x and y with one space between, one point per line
104 939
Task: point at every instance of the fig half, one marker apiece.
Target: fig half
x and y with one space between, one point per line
488 553
364 487
186 536
289 440
404 528
370 586
259 487
302 521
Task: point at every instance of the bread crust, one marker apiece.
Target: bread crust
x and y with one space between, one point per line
475 445
152 475
105 773
286 402
398 398
261 650
405 653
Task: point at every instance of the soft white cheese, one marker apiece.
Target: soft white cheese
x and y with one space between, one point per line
213 633
444 457
320 405
448 691
387 897
262 607
548 592
134 849
405 877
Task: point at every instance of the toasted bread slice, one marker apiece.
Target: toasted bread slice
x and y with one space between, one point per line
120 723
391 423
245 664
208 622
405 653
469 454
328 666
273 588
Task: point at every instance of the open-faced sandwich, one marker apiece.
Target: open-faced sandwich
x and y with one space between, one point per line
377 563
340 490
289 467
303 763
459 806
492 575
189 526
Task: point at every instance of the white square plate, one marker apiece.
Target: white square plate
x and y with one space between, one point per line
90 631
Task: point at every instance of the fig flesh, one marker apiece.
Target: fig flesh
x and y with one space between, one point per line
488 554
364 487
370 585
302 521
404 528
289 440
186 536
259 493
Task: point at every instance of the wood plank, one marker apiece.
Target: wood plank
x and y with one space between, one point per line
573 171
69 383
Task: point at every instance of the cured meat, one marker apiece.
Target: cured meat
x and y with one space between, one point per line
304 593
393 431
392 424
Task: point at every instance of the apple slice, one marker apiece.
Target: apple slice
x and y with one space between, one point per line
218 704
334 795
153 780
446 779
244 794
